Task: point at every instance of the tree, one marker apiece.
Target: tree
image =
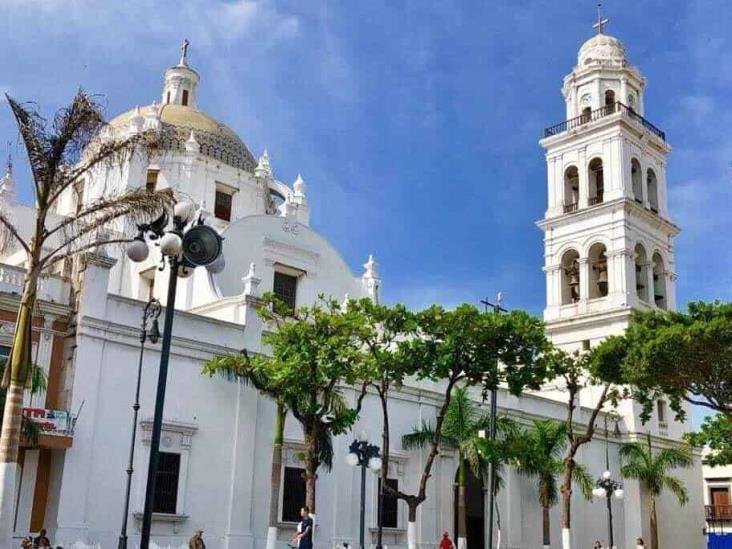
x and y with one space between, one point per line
248 372
638 462
715 433
597 371
30 431
541 457
62 156
461 431
313 352
385 369
685 357
464 347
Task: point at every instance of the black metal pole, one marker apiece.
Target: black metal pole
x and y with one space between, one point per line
497 308
380 514
159 405
610 520
363 504
152 310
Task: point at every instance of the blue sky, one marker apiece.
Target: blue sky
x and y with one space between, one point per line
415 124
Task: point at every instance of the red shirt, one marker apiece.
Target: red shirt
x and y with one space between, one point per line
446 543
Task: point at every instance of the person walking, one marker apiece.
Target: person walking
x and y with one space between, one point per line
196 541
304 537
27 543
446 542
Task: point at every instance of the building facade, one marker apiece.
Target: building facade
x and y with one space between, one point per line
608 250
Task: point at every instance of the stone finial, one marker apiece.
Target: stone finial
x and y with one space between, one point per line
290 206
251 281
152 118
370 279
184 53
192 146
299 187
264 168
137 122
7 183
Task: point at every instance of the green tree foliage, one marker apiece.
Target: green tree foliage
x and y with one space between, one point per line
313 353
716 433
595 372
639 462
465 346
384 366
462 429
30 430
540 456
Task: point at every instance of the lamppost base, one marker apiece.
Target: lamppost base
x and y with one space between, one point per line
122 544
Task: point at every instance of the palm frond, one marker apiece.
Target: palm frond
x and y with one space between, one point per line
325 449
582 478
421 437
677 488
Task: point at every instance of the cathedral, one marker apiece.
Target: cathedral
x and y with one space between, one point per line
609 250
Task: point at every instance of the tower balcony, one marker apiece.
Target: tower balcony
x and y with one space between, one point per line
588 116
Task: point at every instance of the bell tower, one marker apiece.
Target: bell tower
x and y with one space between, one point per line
608 236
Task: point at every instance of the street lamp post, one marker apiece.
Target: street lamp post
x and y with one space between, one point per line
607 487
364 455
150 312
497 308
185 246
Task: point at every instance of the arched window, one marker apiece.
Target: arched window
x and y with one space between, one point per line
641 273
636 177
598 271
652 184
570 277
659 281
609 101
586 114
571 189
597 185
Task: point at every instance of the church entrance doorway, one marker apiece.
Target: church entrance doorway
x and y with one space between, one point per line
475 511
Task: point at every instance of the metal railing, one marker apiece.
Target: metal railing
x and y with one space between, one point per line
50 287
593 200
571 207
718 512
602 112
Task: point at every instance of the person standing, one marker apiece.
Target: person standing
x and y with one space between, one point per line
639 543
42 540
304 537
196 541
597 544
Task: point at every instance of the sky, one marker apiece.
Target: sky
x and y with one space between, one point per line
415 124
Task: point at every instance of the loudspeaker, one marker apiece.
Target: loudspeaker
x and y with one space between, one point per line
201 245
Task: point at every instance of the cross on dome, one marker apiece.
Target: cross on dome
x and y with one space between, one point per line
600 21
184 53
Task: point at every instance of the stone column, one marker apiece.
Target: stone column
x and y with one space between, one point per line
584 268
584 184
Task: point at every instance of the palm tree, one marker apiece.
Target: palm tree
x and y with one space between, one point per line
62 156
639 462
30 430
462 431
540 455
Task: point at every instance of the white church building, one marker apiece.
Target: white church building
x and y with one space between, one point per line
608 250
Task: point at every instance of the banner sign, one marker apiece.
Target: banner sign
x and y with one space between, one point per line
51 422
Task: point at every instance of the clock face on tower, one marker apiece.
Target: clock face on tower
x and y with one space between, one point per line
586 100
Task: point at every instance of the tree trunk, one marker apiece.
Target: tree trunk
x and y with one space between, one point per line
16 376
566 490
546 537
412 525
384 461
654 523
462 541
276 477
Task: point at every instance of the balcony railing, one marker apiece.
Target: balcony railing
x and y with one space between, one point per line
571 207
593 200
602 112
50 287
718 512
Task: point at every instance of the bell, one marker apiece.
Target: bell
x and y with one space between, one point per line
574 277
602 276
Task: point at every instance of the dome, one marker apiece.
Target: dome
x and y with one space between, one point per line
603 49
215 139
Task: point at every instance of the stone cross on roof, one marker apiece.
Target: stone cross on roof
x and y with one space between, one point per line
184 53
600 21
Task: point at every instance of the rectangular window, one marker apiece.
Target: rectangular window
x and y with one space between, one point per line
293 494
166 483
390 516
185 98
151 181
285 288
222 205
661 407
4 352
